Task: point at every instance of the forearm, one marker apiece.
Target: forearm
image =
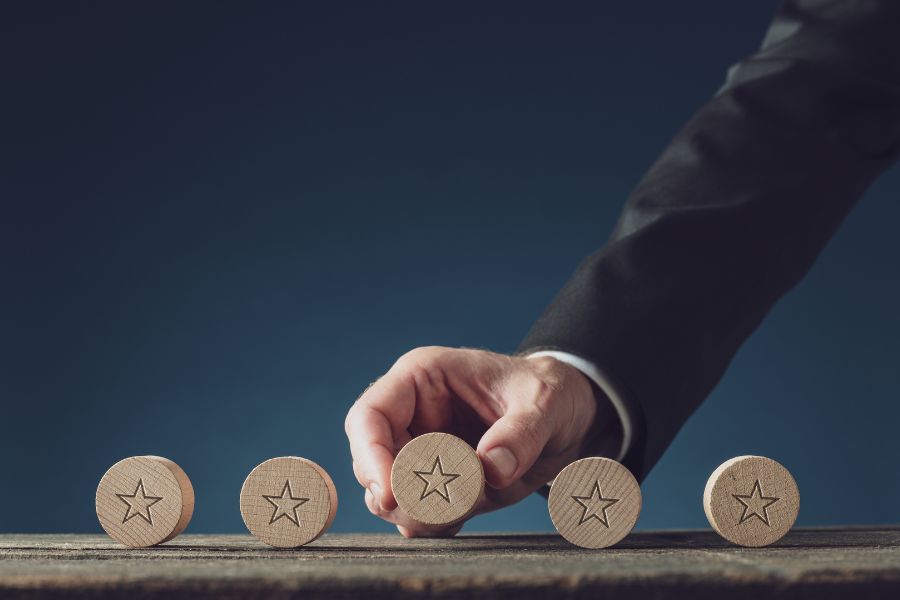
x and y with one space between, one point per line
734 213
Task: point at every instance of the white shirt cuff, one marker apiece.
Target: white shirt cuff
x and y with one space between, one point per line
591 371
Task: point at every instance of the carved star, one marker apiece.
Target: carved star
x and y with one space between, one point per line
285 505
595 505
436 480
755 504
139 503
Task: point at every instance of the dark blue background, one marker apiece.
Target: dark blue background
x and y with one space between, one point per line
220 222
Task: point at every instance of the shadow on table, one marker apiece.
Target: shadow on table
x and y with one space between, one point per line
550 543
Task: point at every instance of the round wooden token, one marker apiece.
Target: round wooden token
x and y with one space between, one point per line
144 500
437 479
288 501
751 500
594 502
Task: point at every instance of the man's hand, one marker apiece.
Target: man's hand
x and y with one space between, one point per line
527 419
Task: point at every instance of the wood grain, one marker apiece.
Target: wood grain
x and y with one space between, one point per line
594 502
751 500
144 500
437 479
817 564
288 501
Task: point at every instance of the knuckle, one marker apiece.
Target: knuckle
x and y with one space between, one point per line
354 409
545 399
348 420
422 366
546 388
422 357
360 475
542 364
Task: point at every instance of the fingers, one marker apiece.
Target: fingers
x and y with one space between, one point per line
405 525
375 426
410 396
513 443
371 444
456 390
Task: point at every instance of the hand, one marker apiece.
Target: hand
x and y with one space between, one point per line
527 419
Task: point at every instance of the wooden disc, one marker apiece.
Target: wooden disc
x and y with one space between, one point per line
594 502
288 501
751 501
144 500
437 479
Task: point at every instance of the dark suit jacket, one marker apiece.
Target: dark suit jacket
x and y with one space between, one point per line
734 212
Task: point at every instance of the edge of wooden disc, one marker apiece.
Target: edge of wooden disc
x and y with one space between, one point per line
187 495
332 495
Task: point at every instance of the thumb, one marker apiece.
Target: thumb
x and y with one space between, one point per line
511 446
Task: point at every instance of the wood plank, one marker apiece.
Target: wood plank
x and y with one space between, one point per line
820 563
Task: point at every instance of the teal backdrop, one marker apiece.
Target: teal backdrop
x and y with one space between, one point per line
220 221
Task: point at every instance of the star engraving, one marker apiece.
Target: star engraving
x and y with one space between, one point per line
755 504
139 503
286 504
595 505
436 480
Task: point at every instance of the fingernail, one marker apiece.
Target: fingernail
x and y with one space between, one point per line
504 461
376 493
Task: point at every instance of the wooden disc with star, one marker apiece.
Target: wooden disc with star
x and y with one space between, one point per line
144 500
751 500
288 501
594 502
437 479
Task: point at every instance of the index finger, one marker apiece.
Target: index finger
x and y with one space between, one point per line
376 424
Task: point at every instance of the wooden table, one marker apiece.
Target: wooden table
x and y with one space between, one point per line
812 563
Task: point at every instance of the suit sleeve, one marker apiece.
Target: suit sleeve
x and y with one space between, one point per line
733 213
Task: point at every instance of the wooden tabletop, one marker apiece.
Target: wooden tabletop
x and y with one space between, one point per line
812 563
